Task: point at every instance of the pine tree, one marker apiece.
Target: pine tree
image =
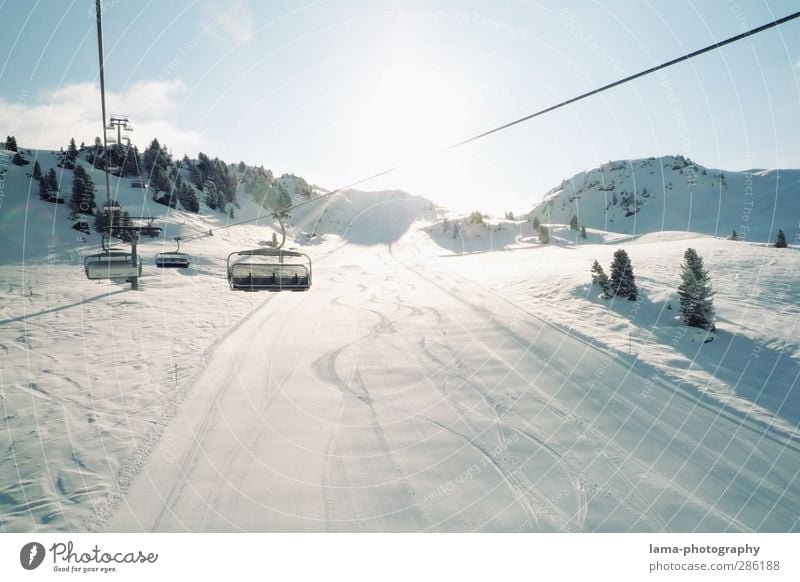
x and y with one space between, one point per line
780 242
44 191
78 187
536 224
94 153
583 232
187 197
278 198
37 171
622 280
156 156
72 150
11 143
52 181
131 163
82 199
573 222
600 278
694 291
19 160
544 234
161 181
196 176
210 198
734 236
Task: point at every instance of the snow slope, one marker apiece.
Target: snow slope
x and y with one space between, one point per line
417 386
675 194
416 394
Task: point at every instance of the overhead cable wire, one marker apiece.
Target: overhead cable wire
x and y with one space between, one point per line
653 69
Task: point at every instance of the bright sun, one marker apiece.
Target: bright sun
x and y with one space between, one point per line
409 112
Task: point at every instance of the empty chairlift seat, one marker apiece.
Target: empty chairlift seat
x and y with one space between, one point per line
269 270
112 265
173 260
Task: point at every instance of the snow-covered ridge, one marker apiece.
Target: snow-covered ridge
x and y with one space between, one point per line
674 193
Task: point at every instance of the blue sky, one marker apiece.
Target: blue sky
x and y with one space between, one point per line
336 90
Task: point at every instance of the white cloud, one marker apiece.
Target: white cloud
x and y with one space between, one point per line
49 119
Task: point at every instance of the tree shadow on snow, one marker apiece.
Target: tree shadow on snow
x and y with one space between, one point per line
755 371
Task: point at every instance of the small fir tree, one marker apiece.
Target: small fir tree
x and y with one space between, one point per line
573 222
544 234
44 191
72 150
780 242
623 283
52 181
694 291
600 278
82 199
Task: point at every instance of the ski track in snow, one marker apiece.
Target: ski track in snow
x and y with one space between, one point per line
601 451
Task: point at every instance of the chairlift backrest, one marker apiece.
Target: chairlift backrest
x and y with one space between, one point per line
172 260
112 265
268 270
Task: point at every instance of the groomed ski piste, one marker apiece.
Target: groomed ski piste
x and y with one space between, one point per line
424 383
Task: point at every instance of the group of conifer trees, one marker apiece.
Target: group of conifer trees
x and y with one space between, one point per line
694 291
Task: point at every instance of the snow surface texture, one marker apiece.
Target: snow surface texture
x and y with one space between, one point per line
424 383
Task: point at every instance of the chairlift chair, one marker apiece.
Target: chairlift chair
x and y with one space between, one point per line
173 260
269 270
112 264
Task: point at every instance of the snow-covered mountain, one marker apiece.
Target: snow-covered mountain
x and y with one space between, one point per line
32 229
673 193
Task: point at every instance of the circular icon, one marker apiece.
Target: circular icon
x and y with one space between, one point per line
32 555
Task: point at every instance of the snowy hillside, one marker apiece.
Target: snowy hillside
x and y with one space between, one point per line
455 376
673 193
33 230
365 218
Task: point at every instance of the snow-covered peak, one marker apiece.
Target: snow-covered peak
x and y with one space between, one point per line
675 193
